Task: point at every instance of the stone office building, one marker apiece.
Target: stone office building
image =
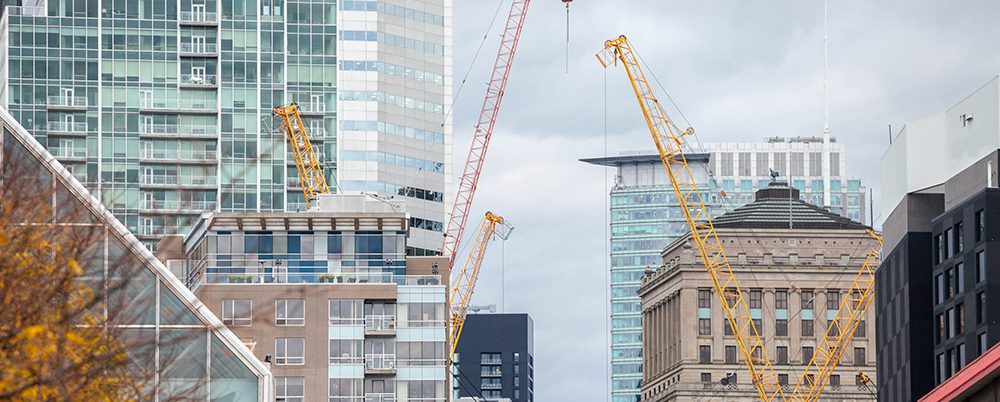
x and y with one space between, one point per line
795 261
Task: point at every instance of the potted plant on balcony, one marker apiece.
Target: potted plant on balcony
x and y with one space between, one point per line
330 278
237 278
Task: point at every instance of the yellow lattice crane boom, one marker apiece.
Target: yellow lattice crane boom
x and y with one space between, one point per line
669 141
306 161
465 282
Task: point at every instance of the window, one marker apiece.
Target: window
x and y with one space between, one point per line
782 354
289 389
808 328
705 354
859 357
806 297
345 311
959 237
960 351
835 381
289 351
783 380
807 354
517 357
940 333
781 327
798 164
951 323
237 312
862 330
980 307
959 319
706 378
704 326
704 298
960 277
815 164
939 291
781 299
980 266
731 354
346 351
490 358
980 226
744 167
982 343
728 330
832 300
942 371
949 283
755 298
289 312
345 388
938 249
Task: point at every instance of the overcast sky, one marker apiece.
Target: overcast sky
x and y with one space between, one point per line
740 71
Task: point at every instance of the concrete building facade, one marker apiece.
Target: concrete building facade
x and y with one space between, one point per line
795 263
939 184
329 298
177 348
495 358
162 109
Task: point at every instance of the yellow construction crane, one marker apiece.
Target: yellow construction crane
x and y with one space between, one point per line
310 171
669 141
465 282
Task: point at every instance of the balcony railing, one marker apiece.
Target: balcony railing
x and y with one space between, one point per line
178 155
491 371
154 179
27 11
312 107
491 385
183 104
198 80
67 101
177 205
67 127
199 17
491 362
297 277
380 323
200 48
380 362
66 152
380 397
158 230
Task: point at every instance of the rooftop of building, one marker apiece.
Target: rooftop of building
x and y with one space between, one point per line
640 157
969 381
779 207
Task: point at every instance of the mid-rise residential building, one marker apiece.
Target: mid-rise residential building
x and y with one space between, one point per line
645 217
177 348
495 358
328 297
163 109
795 263
939 192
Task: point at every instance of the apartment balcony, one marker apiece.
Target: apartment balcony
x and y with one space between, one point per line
312 108
317 133
183 207
379 397
384 325
199 81
198 50
184 156
159 130
68 154
380 364
491 386
67 128
293 183
490 362
26 11
184 106
492 371
171 181
160 230
60 102
200 18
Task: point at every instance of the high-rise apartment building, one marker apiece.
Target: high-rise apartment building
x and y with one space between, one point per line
163 109
645 218
795 263
177 348
328 297
941 269
495 358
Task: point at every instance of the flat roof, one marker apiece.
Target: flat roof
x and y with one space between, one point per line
641 158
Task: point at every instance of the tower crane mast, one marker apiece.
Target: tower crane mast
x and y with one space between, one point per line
464 284
306 161
484 129
669 141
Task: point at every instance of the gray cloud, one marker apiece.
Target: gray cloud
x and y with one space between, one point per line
739 71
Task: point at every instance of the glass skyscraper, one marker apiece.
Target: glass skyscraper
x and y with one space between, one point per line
162 109
645 218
